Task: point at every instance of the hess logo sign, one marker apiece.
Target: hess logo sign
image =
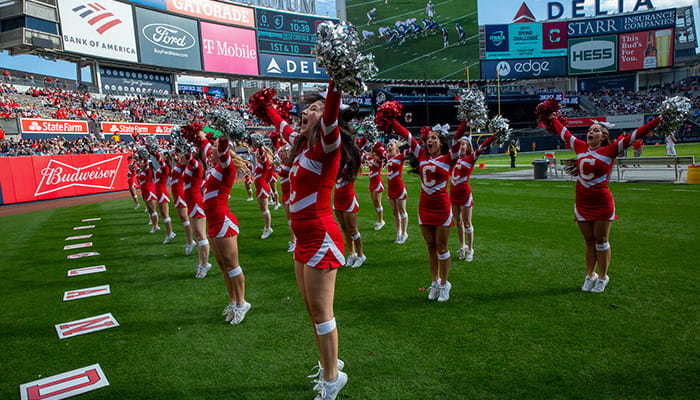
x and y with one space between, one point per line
594 54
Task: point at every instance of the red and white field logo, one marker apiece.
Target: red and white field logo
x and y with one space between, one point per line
86 325
87 270
67 384
87 292
59 175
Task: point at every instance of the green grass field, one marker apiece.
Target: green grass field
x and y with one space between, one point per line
516 326
424 57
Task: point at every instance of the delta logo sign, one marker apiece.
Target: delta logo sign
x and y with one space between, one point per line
59 175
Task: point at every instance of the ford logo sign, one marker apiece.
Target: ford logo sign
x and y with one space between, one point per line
168 36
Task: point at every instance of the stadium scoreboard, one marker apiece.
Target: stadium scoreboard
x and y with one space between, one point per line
284 33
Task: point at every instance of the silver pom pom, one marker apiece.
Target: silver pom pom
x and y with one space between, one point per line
337 52
472 108
257 139
179 141
500 128
152 144
142 152
369 129
232 127
673 112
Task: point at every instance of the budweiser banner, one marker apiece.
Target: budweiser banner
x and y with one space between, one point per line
25 179
127 128
54 126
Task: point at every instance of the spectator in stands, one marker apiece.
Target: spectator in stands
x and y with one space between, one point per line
7 76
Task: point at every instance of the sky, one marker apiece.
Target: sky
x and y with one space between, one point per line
490 12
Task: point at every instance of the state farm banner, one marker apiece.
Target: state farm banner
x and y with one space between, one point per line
127 128
54 126
34 178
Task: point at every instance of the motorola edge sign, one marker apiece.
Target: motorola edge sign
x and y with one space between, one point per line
523 68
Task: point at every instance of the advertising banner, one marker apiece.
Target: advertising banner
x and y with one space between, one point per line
167 40
285 33
229 49
53 126
645 50
130 81
216 11
635 22
583 121
291 67
523 68
100 29
593 55
625 82
128 128
34 178
631 121
526 40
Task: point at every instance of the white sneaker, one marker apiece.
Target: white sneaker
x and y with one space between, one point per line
155 229
228 311
600 284
589 282
277 206
292 246
398 238
460 253
404 237
350 260
328 390
249 199
202 271
137 206
469 256
445 292
190 247
434 291
266 233
359 261
379 225
319 369
239 313
169 238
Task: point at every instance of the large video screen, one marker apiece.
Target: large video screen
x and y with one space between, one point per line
408 43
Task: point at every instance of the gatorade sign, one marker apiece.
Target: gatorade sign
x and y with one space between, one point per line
593 55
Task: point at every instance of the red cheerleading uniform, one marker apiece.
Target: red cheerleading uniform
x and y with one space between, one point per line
132 179
161 180
284 181
262 187
344 196
217 187
148 189
320 242
375 178
460 191
192 179
177 185
594 202
434 203
394 167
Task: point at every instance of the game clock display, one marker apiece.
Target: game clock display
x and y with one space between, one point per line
285 33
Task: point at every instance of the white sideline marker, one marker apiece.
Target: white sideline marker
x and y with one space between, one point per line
86 325
81 255
92 219
77 246
83 227
87 270
87 292
67 384
79 237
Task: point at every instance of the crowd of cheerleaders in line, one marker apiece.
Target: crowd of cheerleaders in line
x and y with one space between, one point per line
201 181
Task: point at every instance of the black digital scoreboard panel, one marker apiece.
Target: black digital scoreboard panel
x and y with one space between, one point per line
285 33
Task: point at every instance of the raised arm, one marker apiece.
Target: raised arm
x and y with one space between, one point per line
224 156
330 132
289 134
566 136
483 146
623 142
415 147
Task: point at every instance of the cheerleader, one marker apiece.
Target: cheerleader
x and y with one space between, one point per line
193 179
346 206
283 153
435 160
316 151
223 225
376 185
397 190
461 194
248 181
262 187
178 189
148 191
161 181
272 179
594 208
132 181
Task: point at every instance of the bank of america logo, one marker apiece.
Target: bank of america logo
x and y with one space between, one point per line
97 16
